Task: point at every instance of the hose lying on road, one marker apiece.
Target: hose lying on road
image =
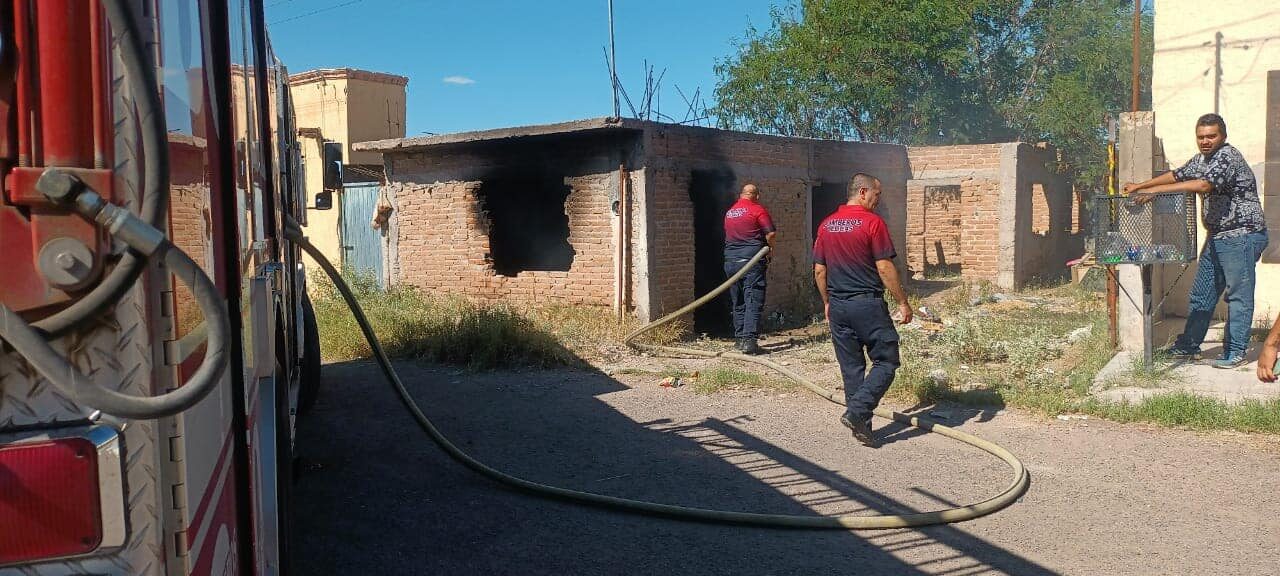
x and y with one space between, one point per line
959 514
294 233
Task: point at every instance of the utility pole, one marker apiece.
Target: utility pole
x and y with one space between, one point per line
613 65
1137 50
1113 283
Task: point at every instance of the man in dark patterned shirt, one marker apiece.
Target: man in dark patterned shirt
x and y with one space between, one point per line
1233 217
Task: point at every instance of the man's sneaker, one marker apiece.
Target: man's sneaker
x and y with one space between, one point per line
749 347
1177 353
1229 362
861 431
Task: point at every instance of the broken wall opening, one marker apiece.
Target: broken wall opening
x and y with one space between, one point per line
712 193
526 222
1040 213
942 231
825 199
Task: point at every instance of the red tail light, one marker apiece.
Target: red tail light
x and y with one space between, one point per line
49 505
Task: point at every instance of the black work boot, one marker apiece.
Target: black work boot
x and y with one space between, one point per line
750 348
861 431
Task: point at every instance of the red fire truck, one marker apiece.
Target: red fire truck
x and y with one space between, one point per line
157 338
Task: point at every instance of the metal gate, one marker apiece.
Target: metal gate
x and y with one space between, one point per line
361 243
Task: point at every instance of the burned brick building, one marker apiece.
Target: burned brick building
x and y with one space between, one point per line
624 213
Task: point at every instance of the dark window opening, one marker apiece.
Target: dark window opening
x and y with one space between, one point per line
528 226
827 197
712 193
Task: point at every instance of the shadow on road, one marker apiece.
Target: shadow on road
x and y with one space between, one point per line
375 497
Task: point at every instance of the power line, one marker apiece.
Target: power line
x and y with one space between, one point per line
314 12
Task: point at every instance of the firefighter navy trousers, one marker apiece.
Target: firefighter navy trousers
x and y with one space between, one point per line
747 296
859 325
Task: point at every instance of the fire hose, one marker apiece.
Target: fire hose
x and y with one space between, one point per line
144 241
846 522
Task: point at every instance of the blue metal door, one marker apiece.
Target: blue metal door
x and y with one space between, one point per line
361 243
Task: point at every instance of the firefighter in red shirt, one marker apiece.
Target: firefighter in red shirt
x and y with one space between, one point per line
747 229
853 263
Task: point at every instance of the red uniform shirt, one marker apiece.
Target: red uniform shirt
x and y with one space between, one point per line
745 226
849 242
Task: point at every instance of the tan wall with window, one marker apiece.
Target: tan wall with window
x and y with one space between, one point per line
1187 60
347 106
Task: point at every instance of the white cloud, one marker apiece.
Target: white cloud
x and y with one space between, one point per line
459 80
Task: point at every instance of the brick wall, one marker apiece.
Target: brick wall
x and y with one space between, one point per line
934 227
943 158
670 236
785 170
1047 231
1039 209
438 242
950 228
190 230
442 245
190 222
1012 187
981 238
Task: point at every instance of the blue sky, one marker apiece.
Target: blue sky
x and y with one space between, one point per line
515 62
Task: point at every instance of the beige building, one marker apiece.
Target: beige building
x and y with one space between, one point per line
1224 60
347 106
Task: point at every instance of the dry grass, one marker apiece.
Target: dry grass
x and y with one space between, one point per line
454 330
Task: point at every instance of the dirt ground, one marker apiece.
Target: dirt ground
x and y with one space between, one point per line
376 498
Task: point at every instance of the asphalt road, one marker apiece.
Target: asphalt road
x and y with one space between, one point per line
376 498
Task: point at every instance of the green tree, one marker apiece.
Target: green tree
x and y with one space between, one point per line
923 72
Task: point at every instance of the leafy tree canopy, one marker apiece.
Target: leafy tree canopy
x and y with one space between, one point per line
930 72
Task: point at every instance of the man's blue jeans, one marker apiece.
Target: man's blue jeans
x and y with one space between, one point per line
1225 265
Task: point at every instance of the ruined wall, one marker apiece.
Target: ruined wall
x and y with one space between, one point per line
786 170
991 212
952 213
440 235
1048 216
